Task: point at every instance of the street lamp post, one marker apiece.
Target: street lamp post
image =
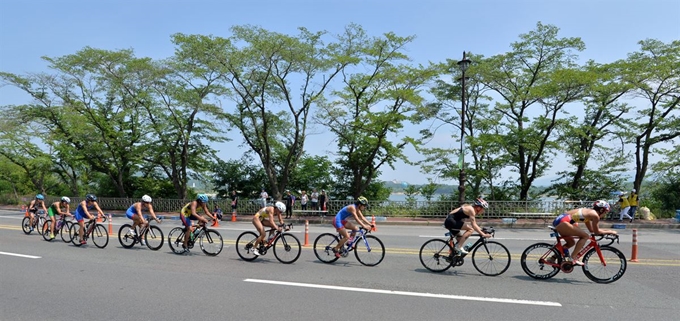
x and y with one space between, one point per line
463 65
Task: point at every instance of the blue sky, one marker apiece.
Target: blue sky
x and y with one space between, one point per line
610 29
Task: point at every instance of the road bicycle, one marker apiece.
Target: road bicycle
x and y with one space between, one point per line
209 240
286 246
602 264
488 257
62 228
98 233
368 249
38 221
151 234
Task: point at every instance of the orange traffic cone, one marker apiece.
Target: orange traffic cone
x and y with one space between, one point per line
306 233
233 216
110 226
373 229
216 223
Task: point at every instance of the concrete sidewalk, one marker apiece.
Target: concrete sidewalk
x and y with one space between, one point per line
496 222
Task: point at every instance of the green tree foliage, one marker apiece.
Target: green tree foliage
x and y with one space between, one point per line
310 172
242 176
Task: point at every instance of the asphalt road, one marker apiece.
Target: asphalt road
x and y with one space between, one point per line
58 281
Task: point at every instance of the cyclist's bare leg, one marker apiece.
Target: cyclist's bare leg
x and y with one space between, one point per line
567 230
466 231
54 222
345 234
270 223
32 218
187 232
260 229
81 231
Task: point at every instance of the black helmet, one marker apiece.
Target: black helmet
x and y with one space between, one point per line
91 197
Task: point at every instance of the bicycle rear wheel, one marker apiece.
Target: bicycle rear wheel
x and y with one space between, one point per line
211 242
435 255
46 231
371 252
64 232
74 233
491 258
26 225
612 269
244 246
99 236
176 240
287 248
126 240
323 247
534 263
154 238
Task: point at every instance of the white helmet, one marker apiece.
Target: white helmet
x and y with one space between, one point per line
66 200
146 199
280 206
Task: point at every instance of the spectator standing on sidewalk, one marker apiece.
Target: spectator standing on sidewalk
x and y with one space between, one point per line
234 201
633 202
323 202
314 199
625 207
264 196
289 201
303 200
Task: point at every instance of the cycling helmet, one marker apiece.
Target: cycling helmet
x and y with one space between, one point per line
280 206
361 201
40 197
146 199
202 198
66 200
481 203
601 204
90 197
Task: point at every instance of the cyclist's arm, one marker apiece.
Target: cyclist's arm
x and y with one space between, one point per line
357 213
153 214
99 210
68 211
473 223
138 209
85 210
207 211
44 208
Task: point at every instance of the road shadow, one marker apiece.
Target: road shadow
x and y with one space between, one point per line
553 280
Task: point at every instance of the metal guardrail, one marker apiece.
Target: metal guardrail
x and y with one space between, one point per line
415 209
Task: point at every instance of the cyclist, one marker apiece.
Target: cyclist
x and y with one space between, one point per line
55 208
36 204
341 224
461 230
82 211
265 217
189 213
134 212
564 224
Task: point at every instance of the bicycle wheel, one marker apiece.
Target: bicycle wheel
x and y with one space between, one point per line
154 238
534 258
46 228
176 240
287 248
491 258
73 232
370 252
435 255
323 247
612 269
244 246
99 236
26 225
64 232
211 242
40 223
126 240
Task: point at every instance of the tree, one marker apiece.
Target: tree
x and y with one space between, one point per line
312 171
535 81
373 106
429 189
653 72
238 175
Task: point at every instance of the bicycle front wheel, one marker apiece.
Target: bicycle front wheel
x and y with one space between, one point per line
64 232
176 240
40 223
211 242
99 236
435 255
287 248
74 233
535 263
244 246
126 240
371 252
26 225
609 269
154 238
491 258
323 247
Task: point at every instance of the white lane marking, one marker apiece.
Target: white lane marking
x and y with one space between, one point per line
16 217
20 255
495 238
418 294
